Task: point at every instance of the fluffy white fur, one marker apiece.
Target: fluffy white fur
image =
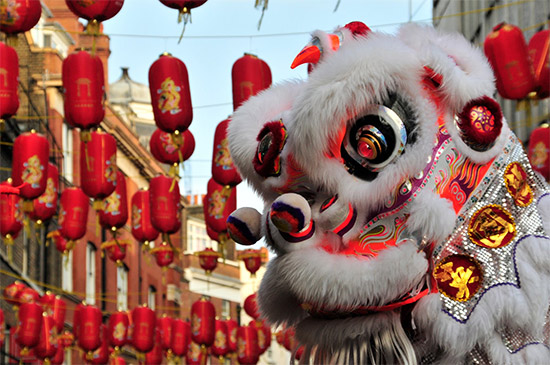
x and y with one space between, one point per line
431 216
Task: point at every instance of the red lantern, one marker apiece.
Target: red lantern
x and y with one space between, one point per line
208 259
101 354
45 205
280 337
506 50
248 351
59 356
143 329
250 75
11 216
47 301
196 355
98 168
184 7
219 202
30 164
164 195
203 316
252 260
2 328
47 343
116 250
28 295
232 327
219 347
172 148
539 150
27 333
289 339
73 214
164 254
11 292
76 319
117 329
66 339
60 242
89 326
170 95
117 360
58 313
154 356
84 84
224 171
181 336
251 306
164 325
19 16
264 334
142 229
115 207
9 62
98 10
538 49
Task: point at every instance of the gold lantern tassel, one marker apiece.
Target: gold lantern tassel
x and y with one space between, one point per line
185 15
92 28
9 247
98 205
263 4
37 229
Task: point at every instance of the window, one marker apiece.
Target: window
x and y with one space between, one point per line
48 41
122 287
151 297
67 272
90 273
197 238
67 152
226 308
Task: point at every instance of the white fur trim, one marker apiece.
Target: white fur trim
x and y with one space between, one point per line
431 216
544 210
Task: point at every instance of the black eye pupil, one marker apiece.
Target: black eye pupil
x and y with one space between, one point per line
265 143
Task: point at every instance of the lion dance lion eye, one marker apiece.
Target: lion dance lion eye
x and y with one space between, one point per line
272 138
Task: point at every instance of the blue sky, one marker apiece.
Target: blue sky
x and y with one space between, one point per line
221 32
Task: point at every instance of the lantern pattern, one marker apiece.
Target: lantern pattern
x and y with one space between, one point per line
84 84
251 306
66 339
170 95
172 148
9 80
196 355
143 329
506 50
11 292
539 50
73 215
27 333
47 343
219 347
19 16
165 204
11 215
249 75
142 229
117 329
115 207
224 171
89 327
28 295
232 327
98 168
539 150
181 336
30 164
101 354
45 206
252 259
219 203
264 334
248 351
203 316
208 259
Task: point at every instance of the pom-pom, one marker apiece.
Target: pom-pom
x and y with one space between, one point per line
480 123
271 141
358 28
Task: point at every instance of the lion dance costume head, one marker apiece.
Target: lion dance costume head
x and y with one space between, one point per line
408 224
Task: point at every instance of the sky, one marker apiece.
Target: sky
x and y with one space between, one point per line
221 32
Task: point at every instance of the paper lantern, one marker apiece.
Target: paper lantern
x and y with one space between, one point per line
506 51
181 336
61 244
73 215
184 7
9 63
219 203
143 329
11 292
45 206
142 228
47 301
264 334
164 196
232 327
117 329
208 259
170 94
27 333
47 343
59 309
116 250
101 354
66 339
59 356
289 339
219 347
539 50
117 360
196 355
11 215
539 150
30 164
19 16
89 329
251 306
248 351
95 11
155 355
2 328
114 213
203 317
164 325
224 171
172 148
84 84
28 295
76 319
252 260
250 75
